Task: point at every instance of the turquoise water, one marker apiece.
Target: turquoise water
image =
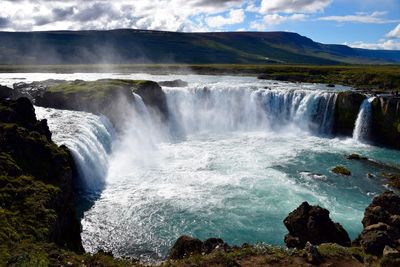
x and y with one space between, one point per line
248 152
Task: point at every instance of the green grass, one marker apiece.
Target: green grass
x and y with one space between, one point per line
364 77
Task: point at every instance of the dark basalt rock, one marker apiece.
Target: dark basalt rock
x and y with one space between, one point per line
356 157
6 92
313 224
184 247
154 97
187 246
341 171
34 169
174 83
346 112
381 224
385 125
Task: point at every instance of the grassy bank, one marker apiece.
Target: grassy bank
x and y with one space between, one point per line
364 77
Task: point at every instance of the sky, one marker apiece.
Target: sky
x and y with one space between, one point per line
373 24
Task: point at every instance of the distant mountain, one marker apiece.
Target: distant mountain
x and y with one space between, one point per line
140 46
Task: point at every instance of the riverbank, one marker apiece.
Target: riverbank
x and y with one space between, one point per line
376 78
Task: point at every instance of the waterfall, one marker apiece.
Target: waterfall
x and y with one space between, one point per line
363 122
89 138
201 109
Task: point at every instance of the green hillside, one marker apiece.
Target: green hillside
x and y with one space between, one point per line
138 46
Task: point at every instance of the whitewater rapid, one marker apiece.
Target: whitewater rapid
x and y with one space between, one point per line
238 156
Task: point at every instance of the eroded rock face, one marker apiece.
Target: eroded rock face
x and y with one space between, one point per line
385 128
5 92
313 224
346 112
154 97
35 170
381 224
187 246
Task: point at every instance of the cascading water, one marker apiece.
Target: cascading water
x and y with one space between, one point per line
247 157
363 122
88 137
240 109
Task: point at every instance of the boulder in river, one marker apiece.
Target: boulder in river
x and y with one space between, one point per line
312 224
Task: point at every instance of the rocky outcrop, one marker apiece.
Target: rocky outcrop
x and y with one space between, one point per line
385 125
313 224
174 83
36 181
381 224
187 246
5 92
108 97
153 96
346 112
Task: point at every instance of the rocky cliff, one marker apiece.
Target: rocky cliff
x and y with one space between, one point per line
386 121
109 97
36 183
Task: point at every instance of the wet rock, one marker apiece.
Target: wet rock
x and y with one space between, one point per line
313 224
356 157
174 83
330 85
153 96
346 112
381 224
184 247
394 179
5 92
385 124
341 170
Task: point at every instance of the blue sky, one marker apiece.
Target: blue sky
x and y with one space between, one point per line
371 24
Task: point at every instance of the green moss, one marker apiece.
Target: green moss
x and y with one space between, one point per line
341 170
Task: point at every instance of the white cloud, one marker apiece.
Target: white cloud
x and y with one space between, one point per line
293 6
235 16
395 33
383 45
275 19
172 15
373 18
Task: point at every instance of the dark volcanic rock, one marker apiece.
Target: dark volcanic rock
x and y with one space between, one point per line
346 112
212 243
313 224
34 169
381 224
154 97
174 83
185 246
6 92
385 125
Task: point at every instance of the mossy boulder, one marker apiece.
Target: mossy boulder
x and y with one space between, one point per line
346 111
341 171
385 128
